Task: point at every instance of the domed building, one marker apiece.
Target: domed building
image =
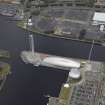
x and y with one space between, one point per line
74 76
74 73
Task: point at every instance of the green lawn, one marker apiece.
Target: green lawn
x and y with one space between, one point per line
4 71
4 54
64 95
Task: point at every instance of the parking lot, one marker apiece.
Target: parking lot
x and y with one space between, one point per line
8 9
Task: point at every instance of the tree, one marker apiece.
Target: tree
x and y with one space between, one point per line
35 11
82 34
49 1
22 2
90 3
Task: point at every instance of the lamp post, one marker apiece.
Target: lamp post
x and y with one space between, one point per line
31 40
88 65
90 52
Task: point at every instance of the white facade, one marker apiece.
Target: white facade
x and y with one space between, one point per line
29 22
102 28
62 62
74 73
99 17
66 85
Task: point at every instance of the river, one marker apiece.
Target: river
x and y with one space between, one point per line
27 84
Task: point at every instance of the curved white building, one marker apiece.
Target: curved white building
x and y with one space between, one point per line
61 62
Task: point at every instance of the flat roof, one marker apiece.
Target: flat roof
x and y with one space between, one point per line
99 16
74 73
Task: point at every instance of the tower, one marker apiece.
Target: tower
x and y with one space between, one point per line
31 42
31 56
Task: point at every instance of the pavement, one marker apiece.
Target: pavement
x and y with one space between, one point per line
89 91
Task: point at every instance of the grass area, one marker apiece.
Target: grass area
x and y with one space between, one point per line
4 54
21 23
74 81
5 70
64 95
